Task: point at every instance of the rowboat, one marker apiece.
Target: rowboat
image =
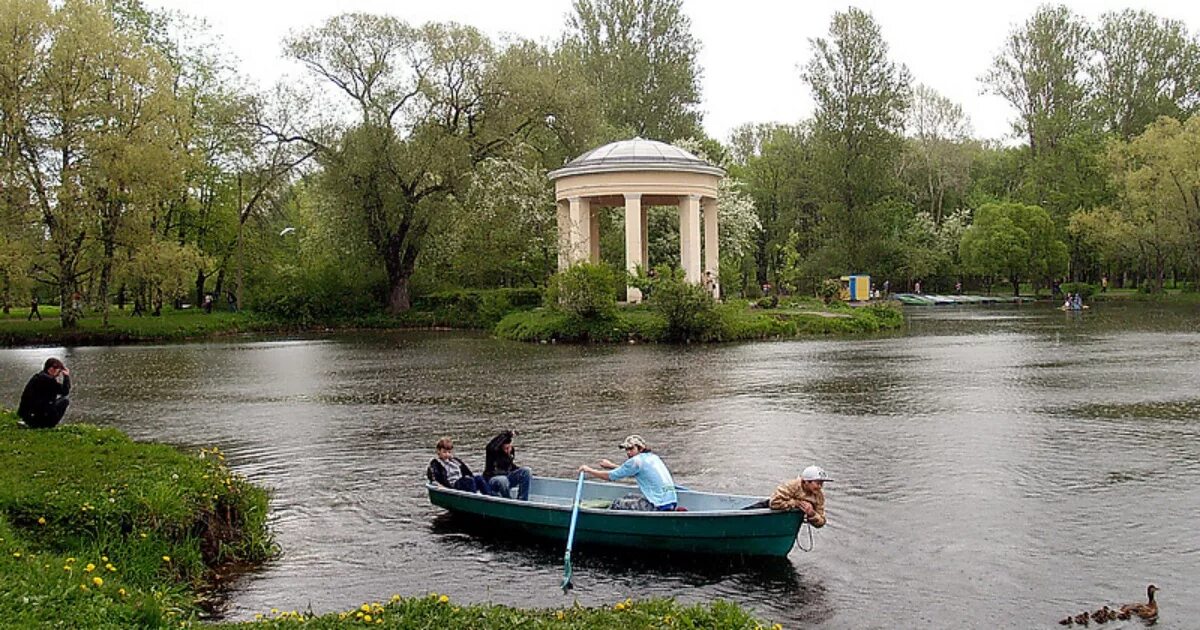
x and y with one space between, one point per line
712 523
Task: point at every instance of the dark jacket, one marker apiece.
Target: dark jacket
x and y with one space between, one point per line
498 462
437 473
41 392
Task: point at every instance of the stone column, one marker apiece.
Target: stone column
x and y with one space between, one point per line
563 208
645 212
635 242
594 235
580 230
712 246
689 237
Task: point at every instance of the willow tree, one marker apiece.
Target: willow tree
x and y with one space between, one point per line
428 104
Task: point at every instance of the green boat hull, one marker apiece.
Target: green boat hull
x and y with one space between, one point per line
713 524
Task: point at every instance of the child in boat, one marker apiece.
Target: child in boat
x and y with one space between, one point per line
451 472
805 493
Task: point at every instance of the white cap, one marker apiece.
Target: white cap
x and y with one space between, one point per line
814 473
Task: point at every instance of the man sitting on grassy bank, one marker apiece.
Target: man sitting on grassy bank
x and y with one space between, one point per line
44 401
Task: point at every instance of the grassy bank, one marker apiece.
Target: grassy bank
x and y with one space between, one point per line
733 321
98 531
172 325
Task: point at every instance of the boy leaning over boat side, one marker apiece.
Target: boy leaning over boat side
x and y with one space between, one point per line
805 493
448 471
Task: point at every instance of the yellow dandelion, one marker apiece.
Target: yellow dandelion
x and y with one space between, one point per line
378 621
142 534
777 626
619 606
16 554
559 615
258 617
395 598
84 587
166 558
274 611
367 618
41 520
365 608
98 581
121 592
67 568
443 599
358 614
70 560
89 568
103 558
110 567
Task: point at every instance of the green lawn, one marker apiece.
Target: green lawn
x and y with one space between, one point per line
15 329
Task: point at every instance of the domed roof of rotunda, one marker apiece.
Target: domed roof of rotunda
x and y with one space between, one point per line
637 154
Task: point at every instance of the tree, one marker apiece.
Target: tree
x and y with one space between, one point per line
1040 73
861 97
641 55
1158 210
777 165
1014 241
937 157
430 104
1145 67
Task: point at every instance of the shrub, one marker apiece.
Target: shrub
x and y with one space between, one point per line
1082 288
829 290
586 291
687 307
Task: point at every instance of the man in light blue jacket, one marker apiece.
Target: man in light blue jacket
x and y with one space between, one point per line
651 474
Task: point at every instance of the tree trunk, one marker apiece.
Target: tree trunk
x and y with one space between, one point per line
201 278
106 278
1016 284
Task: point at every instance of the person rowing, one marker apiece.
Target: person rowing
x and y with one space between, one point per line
647 469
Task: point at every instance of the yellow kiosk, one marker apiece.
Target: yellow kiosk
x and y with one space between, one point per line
855 288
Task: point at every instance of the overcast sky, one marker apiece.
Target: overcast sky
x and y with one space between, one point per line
750 53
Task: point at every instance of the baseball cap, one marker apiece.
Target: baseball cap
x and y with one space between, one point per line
634 440
815 473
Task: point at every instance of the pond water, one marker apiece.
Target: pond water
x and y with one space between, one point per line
996 466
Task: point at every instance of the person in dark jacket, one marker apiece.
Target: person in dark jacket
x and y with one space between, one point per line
500 470
448 471
44 400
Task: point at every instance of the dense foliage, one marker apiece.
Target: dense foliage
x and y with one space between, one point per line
138 170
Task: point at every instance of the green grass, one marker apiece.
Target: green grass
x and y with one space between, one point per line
438 611
98 531
734 321
171 325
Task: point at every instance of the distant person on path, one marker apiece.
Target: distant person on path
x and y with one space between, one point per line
917 287
501 471
44 401
448 471
1104 284
33 309
651 474
208 304
1077 301
887 287
805 493
958 287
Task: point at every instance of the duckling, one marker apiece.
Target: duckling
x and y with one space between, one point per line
1100 615
1082 619
1124 614
1147 611
1066 622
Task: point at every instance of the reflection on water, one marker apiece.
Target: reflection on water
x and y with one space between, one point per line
1000 458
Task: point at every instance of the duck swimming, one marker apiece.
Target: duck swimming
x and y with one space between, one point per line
1147 611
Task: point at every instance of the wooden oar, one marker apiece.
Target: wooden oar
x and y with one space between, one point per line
566 585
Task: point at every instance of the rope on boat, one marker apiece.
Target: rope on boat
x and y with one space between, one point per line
810 536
